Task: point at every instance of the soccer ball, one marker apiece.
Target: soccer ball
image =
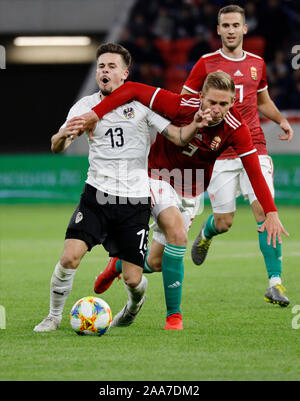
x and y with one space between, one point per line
90 315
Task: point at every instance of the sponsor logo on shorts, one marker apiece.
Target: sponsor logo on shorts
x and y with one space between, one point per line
79 217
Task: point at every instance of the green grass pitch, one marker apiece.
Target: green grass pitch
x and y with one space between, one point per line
230 333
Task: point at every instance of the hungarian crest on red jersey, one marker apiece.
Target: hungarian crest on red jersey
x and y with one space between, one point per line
253 72
215 143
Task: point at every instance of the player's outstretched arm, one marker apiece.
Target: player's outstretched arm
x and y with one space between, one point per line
122 95
159 100
181 136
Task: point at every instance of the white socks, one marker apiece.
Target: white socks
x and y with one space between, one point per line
60 287
274 281
136 294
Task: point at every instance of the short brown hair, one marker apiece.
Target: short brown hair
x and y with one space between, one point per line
115 48
233 8
218 80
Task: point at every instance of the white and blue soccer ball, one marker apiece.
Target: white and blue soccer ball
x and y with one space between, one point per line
91 316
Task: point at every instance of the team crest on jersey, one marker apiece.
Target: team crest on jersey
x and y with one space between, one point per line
129 113
79 217
253 72
215 143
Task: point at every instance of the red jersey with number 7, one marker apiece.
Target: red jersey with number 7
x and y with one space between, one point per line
249 76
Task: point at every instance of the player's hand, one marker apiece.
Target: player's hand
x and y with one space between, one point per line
73 129
87 122
274 228
288 131
203 118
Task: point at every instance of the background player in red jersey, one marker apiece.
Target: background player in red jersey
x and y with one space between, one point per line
229 179
225 129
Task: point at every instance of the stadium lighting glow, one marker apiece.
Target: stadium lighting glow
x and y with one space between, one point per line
52 41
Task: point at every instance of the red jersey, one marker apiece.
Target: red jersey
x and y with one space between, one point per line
249 76
200 154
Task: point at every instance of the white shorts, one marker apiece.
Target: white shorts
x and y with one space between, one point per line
230 180
163 195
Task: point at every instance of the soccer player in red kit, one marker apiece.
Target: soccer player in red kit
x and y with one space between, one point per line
229 179
225 128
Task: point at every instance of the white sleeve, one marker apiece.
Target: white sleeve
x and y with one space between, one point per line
156 121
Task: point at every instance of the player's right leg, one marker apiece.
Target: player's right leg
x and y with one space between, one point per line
61 283
84 231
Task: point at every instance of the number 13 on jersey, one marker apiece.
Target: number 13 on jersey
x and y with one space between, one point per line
116 137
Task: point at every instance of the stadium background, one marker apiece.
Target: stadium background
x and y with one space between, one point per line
165 37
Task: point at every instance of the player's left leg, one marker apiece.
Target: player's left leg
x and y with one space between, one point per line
272 256
172 224
273 261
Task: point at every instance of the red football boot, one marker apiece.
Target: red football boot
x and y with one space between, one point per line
106 278
174 322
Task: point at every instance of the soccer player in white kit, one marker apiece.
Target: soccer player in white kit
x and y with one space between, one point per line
114 208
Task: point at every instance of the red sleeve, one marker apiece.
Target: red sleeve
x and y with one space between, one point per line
258 182
263 82
167 104
160 100
196 78
124 94
241 141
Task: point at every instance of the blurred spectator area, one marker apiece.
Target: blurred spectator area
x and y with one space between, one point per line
167 37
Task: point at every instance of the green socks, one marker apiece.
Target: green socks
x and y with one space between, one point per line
209 229
119 266
272 256
173 272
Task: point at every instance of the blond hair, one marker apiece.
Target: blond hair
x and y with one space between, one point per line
218 80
